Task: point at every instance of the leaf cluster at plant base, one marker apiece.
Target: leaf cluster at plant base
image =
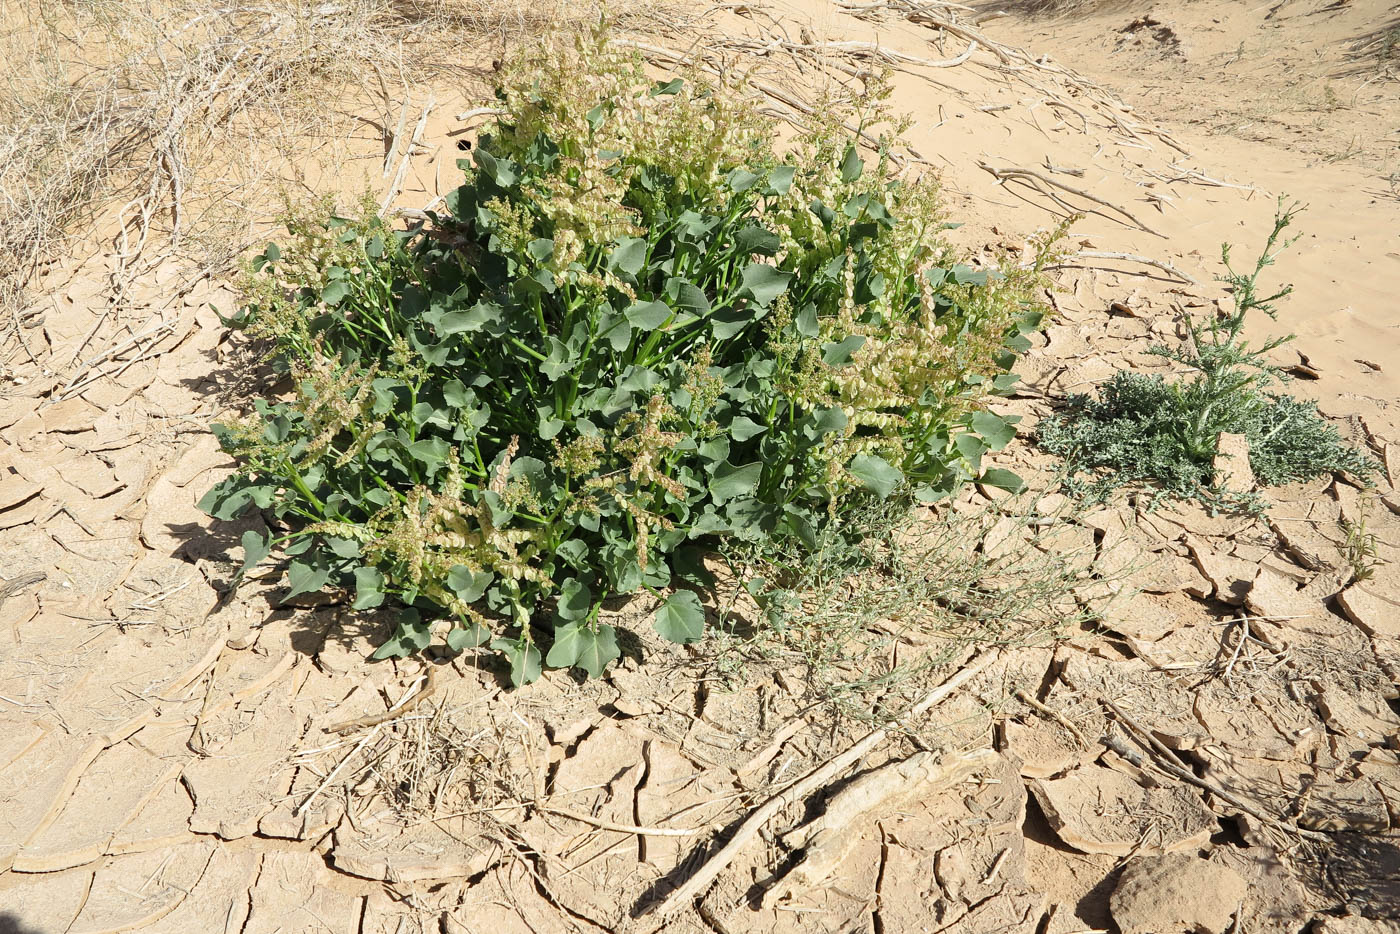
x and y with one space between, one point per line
638 330
1131 434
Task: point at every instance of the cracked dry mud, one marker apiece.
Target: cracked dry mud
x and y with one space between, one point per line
165 762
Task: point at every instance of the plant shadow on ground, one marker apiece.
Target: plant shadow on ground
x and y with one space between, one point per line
13 924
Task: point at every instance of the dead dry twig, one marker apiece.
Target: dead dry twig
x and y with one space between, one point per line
706 873
1166 760
1134 258
1045 185
1054 715
403 707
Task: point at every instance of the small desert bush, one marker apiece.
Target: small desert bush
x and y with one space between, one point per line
1145 430
638 330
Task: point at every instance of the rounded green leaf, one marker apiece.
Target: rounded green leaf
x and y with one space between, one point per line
994 429
412 635
838 353
369 589
852 165
743 428
780 179
763 283
461 638
575 600
1002 480
875 473
730 482
648 315
741 180
524 659
467 584
335 292
256 547
307 575
588 647
629 256
680 618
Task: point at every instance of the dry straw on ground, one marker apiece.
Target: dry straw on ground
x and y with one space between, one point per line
167 127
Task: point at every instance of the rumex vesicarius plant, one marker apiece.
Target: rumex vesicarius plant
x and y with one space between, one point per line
639 327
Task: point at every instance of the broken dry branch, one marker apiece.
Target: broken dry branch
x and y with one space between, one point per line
407 152
475 112
701 879
403 707
1168 762
827 840
1038 180
1054 715
623 828
1193 175
765 755
1135 258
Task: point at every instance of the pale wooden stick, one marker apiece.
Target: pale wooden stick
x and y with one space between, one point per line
1002 175
1134 258
407 151
700 880
393 152
480 112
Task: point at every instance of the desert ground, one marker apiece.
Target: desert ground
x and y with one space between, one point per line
1197 731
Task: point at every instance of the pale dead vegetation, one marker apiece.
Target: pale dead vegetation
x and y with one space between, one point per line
1053 8
170 129
1377 51
121 99
868 624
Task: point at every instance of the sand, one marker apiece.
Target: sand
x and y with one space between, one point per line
164 762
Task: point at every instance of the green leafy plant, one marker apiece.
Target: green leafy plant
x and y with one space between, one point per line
1144 429
1361 548
636 331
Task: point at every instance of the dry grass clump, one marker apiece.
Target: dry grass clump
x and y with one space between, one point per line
453 758
902 594
1059 7
1379 49
182 110
122 98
